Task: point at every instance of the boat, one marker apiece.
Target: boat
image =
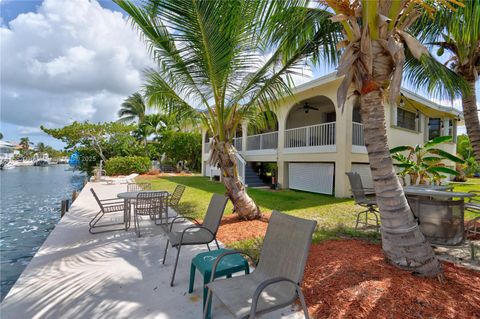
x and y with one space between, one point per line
7 164
41 160
24 163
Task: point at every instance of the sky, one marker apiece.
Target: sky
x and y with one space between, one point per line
66 60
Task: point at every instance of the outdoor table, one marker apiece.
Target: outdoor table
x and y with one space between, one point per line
441 218
127 198
229 265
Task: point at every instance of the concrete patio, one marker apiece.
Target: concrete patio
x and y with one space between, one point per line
112 275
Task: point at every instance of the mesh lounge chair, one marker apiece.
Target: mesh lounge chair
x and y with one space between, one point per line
199 234
176 196
275 283
107 206
473 205
361 199
138 187
150 204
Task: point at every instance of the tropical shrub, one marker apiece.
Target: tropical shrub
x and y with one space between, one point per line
127 165
425 164
182 146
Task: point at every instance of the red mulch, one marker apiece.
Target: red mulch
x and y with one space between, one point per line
350 279
232 229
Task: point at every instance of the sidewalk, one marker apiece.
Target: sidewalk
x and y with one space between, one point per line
112 275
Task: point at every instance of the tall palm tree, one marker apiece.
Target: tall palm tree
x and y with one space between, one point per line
458 33
133 108
212 57
376 48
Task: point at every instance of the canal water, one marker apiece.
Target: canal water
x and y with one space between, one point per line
29 209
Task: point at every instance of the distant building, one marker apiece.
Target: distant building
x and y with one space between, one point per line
8 150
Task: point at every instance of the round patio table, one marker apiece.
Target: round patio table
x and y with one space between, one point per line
128 197
431 192
440 214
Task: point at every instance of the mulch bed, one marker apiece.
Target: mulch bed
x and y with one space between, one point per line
232 229
350 279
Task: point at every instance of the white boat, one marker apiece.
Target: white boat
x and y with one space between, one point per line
24 163
41 160
7 164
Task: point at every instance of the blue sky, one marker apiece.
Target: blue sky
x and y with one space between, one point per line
65 60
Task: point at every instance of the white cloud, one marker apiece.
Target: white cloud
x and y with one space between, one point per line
70 60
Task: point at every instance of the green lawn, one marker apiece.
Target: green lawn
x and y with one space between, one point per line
335 216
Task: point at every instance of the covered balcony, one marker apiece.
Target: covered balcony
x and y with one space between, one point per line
264 140
358 139
310 126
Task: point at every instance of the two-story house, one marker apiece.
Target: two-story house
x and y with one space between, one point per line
314 143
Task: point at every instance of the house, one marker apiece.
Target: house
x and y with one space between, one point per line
314 143
8 150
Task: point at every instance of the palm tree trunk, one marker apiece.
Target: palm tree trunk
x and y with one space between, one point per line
402 241
470 115
243 204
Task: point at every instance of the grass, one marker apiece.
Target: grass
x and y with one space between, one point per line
335 216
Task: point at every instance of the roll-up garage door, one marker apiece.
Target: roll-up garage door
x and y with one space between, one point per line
311 177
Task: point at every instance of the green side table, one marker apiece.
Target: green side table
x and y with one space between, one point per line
204 263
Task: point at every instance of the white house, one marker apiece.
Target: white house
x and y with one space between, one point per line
315 143
7 150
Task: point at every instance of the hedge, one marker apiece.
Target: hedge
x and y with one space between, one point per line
126 165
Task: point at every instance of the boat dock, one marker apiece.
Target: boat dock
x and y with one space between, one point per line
110 275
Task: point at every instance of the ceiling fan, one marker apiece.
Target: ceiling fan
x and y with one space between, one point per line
307 107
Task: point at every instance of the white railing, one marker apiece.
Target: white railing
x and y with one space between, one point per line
314 135
262 141
357 134
237 143
241 165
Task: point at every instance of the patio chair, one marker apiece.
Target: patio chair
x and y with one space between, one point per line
107 206
137 187
473 205
150 204
176 196
275 283
198 234
359 195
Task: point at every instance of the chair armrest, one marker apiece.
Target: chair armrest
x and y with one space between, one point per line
233 252
473 199
184 217
265 284
110 199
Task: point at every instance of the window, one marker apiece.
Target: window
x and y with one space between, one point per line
406 119
356 116
434 128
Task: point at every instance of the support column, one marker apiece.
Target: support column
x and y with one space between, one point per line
343 141
282 171
204 133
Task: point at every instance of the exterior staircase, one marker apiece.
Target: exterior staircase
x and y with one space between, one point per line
252 179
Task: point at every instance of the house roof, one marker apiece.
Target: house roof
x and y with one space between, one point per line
442 110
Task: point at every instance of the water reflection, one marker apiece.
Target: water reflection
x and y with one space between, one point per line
29 209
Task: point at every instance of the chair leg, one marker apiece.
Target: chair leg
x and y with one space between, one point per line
137 224
208 246
208 305
175 267
302 302
216 242
165 253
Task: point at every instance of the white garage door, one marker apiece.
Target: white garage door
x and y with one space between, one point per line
311 177
364 171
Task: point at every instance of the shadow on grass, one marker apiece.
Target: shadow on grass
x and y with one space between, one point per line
283 200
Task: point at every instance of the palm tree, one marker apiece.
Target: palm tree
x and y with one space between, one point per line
40 147
458 33
25 143
376 48
133 108
212 57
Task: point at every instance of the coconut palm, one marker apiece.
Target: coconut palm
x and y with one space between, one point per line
375 50
133 108
458 33
212 57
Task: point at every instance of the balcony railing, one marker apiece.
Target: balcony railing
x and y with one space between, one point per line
237 143
357 134
314 135
207 147
262 141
